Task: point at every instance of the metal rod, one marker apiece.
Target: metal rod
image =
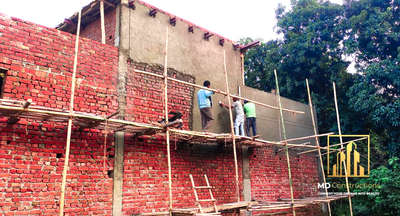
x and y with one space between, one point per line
286 147
71 111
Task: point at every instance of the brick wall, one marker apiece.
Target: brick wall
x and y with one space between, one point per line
93 29
269 176
144 95
39 61
146 174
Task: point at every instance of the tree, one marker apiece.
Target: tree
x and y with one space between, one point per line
383 187
373 37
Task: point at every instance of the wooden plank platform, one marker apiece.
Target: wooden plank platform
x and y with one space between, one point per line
298 203
223 207
15 109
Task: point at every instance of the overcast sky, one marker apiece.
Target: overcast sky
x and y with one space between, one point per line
231 19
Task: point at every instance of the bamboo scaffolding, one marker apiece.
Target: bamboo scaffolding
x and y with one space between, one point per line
317 142
44 113
166 121
330 146
217 91
302 144
355 140
286 147
341 142
279 205
71 110
232 130
306 137
103 31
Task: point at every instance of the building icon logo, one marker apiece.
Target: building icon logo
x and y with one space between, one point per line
349 159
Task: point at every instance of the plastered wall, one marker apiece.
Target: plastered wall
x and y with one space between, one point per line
188 53
268 120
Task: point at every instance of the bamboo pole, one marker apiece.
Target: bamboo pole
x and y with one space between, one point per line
355 140
232 130
242 68
71 111
306 137
302 144
330 146
103 31
341 142
217 91
317 142
286 147
166 121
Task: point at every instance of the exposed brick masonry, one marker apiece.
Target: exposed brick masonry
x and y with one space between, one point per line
39 62
93 29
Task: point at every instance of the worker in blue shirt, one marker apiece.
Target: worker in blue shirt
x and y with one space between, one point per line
205 104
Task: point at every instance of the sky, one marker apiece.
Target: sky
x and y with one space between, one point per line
231 19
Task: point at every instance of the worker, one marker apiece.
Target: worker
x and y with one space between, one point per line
250 111
239 120
205 102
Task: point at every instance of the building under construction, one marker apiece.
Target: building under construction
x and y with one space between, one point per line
80 106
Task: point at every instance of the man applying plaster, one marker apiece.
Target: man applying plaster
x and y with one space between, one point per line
239 120
205 103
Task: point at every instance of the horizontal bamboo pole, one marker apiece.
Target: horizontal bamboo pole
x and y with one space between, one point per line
335 145
306 137
303 144
136 124
217 91
339 144
305 152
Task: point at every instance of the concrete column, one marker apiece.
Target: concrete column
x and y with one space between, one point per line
118 173
123 25
246 175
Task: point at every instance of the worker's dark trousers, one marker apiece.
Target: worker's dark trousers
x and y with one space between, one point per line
251 122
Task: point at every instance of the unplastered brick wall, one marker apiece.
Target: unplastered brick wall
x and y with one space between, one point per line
93 29
145 93
269 174
145 186
39 65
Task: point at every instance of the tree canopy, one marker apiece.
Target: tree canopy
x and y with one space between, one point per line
319 40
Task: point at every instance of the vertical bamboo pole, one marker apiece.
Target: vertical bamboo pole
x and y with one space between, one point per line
166 120
103 31
71 110
341 145
232 130
286 148
317 142
242 67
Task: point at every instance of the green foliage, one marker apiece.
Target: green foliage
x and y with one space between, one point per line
318 37
387 197
374 38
